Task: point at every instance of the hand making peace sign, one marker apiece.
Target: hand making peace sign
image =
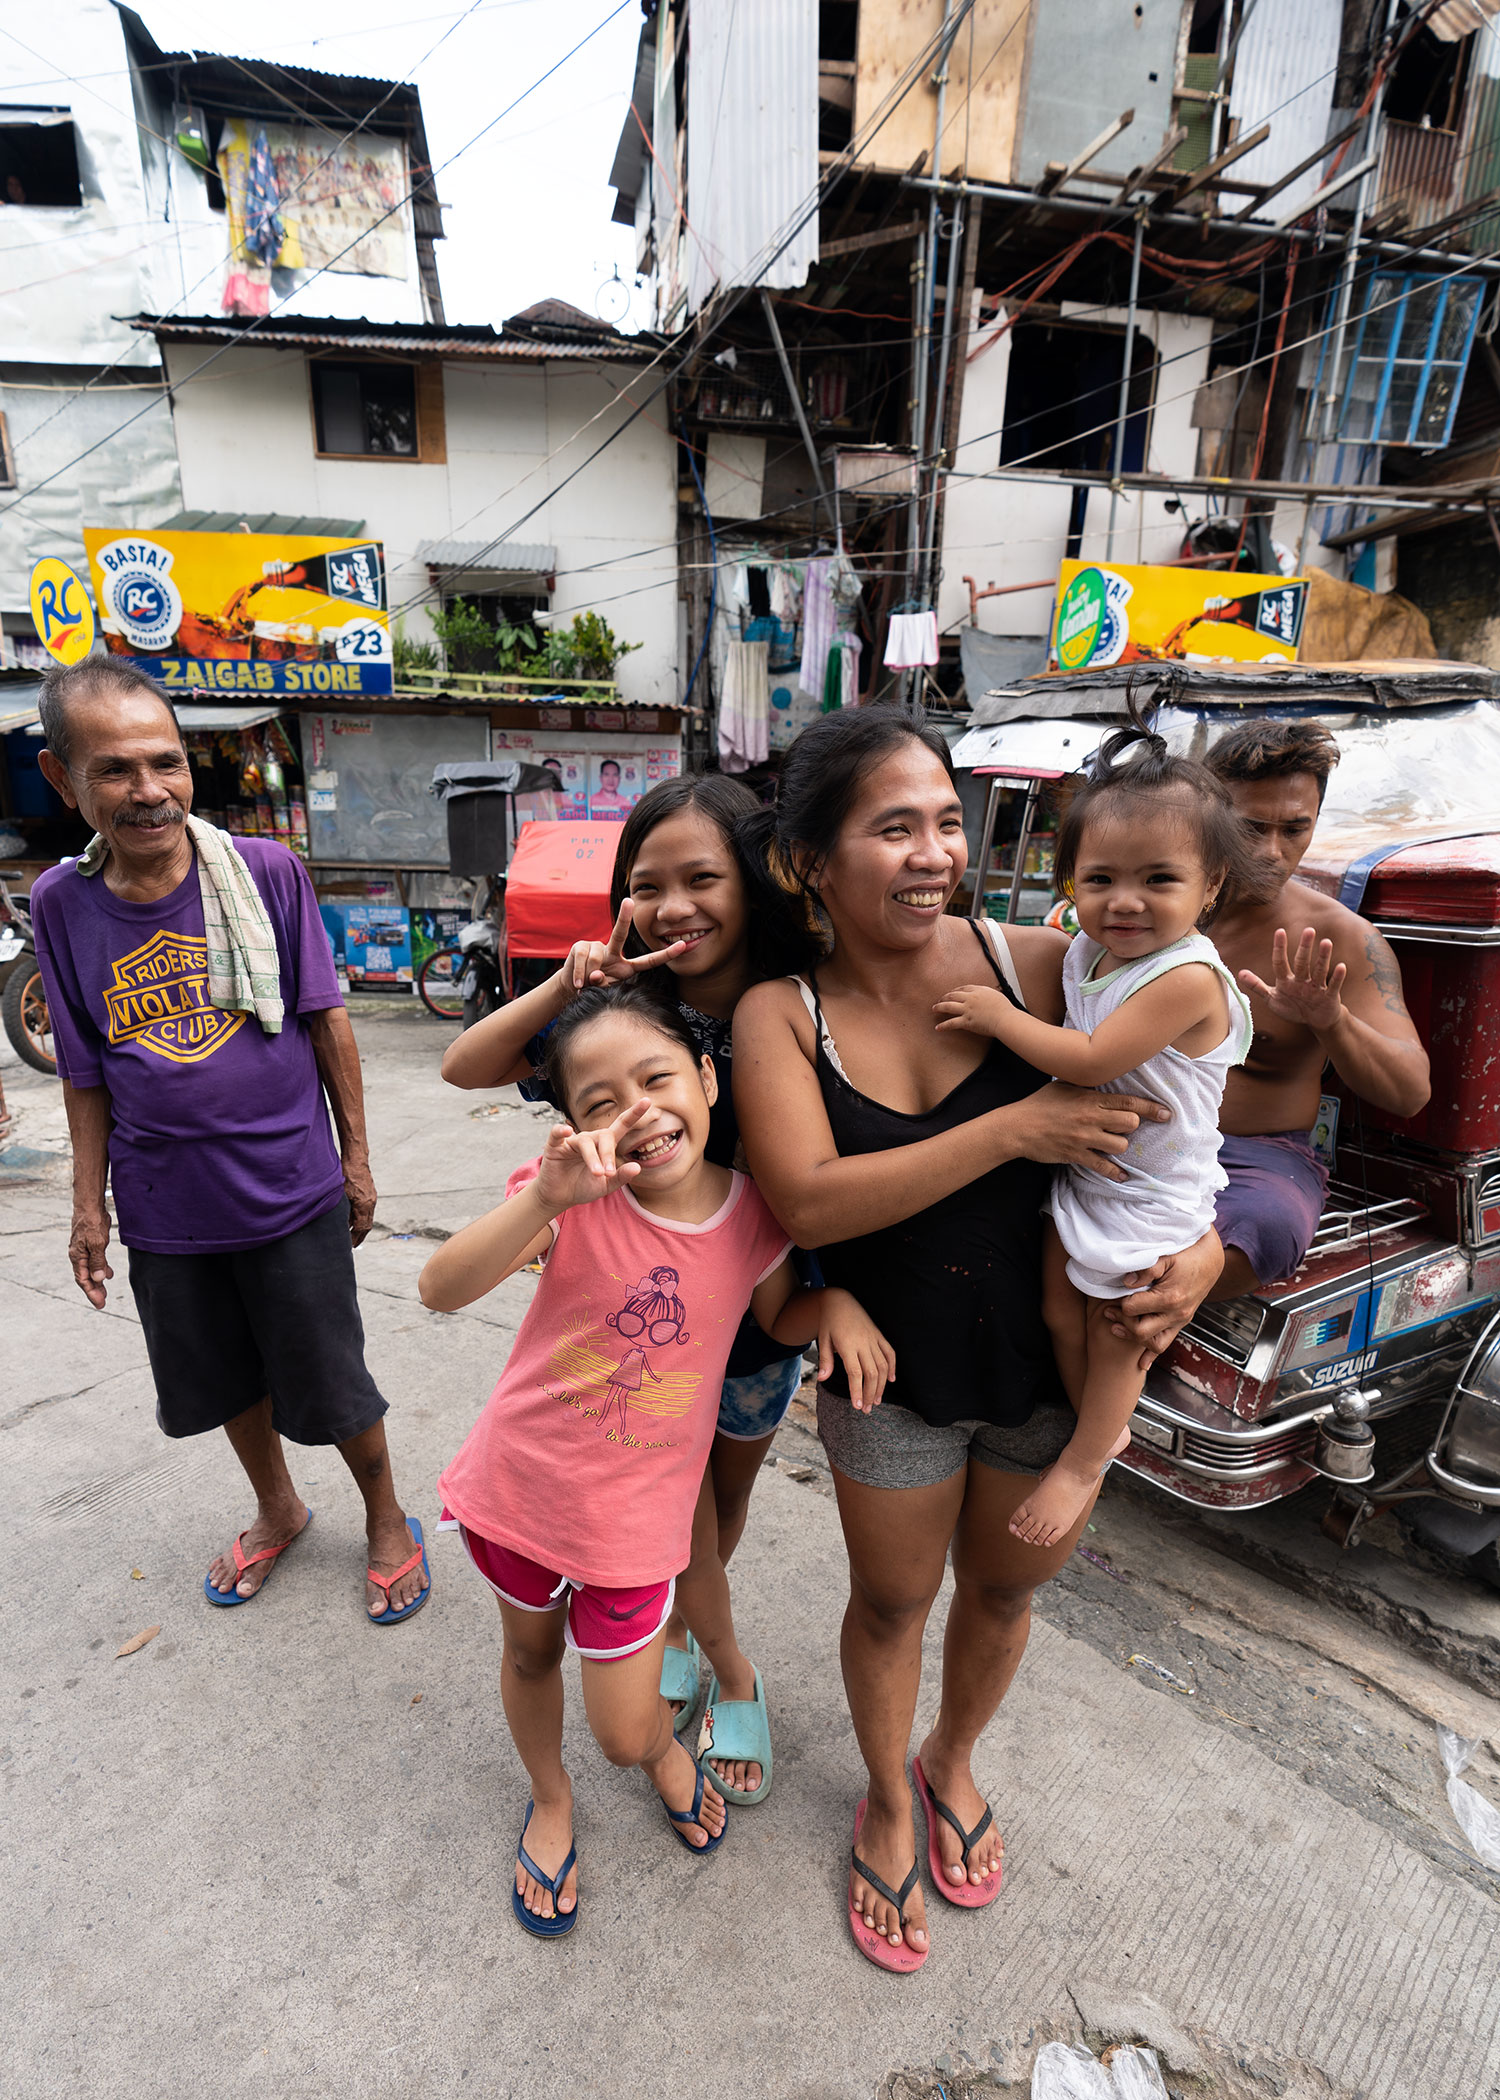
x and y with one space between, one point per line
579 1166
591 962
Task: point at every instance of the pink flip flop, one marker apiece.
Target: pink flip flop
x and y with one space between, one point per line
964 1893
902 1960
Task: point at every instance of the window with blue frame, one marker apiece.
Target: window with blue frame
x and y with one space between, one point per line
1406 349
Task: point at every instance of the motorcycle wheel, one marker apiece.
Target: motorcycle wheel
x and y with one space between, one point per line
23 1006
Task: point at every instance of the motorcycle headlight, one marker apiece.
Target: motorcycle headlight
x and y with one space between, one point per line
1474 1433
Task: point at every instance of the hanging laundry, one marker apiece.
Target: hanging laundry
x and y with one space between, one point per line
849 653
264 232
912 639
833 681
782 653
817 624
744 708
786 593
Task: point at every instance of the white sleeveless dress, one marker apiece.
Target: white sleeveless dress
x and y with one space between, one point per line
1172 1171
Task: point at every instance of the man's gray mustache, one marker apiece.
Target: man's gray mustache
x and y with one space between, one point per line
173 812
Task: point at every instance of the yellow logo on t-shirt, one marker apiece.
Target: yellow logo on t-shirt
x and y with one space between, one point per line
159 999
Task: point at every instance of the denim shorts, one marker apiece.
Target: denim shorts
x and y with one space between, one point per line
895 1448
753 1406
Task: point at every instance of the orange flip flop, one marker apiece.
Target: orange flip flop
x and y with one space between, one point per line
902 1960
243 1560
964 1893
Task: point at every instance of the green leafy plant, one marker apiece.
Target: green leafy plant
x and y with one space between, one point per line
515 648
588 648
467 637
408 655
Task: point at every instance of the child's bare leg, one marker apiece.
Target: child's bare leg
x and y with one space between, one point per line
531 1688
1110 1390
632 1725
1064 1308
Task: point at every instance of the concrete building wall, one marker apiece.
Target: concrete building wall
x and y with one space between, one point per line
514 433
1015 532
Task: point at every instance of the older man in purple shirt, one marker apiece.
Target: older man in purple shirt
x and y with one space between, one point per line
239 1214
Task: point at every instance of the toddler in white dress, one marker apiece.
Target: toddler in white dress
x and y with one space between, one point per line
1145 849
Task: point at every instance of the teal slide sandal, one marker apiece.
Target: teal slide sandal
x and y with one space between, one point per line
680 1680
736 1731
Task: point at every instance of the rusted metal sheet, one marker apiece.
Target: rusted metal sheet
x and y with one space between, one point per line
1419 170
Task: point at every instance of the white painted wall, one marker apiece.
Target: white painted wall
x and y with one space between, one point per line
515 431
144 237
1016 532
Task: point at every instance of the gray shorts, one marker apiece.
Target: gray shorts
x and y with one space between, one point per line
894 1448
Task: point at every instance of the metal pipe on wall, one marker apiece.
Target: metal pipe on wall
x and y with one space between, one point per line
1328 421
922 338
939 407
1122 412
1082 207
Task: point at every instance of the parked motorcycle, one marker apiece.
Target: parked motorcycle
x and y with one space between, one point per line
23 1002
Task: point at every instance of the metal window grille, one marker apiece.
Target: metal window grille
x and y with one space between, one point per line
1406 349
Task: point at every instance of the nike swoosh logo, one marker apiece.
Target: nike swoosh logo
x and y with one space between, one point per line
615 1613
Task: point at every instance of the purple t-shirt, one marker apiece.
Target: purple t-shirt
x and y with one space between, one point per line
221 1134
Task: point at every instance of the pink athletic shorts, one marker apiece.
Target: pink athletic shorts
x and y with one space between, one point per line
602 1623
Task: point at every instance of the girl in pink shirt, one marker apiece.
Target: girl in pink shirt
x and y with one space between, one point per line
575 1489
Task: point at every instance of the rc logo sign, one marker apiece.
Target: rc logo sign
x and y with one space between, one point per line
159 999
139 594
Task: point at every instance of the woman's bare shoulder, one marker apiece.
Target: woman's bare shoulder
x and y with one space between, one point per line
777 1001
1037 947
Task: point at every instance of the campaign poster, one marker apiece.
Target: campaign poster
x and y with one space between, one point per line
570 769
245 612
1108 613
616 784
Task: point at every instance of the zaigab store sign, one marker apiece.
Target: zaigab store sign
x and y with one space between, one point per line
245 612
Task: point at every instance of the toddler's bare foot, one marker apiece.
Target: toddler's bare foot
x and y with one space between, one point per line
1060 1497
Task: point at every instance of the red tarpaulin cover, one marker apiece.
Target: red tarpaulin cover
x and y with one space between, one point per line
557 891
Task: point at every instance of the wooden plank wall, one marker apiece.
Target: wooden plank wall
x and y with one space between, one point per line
980 126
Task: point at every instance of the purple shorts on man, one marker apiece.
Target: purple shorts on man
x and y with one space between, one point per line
1271 1207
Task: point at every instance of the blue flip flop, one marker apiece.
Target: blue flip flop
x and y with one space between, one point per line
242 1560
681 1679
390 1617
561 1921
690 1815
737 1731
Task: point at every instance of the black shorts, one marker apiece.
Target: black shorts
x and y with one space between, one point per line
223 1330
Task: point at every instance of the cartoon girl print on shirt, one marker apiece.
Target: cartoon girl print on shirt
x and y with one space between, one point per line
654 1310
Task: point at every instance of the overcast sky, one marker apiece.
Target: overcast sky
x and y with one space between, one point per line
529 205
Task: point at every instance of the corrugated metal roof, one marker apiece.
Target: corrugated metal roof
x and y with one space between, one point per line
1458 18
408 338
1287 44
289 525
752 144
503 557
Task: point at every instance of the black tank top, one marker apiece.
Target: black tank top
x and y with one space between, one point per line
956 1288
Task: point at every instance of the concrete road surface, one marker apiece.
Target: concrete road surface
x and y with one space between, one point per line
270 1853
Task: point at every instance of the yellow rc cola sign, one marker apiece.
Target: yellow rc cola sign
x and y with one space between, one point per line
245 612
60 611
1118 613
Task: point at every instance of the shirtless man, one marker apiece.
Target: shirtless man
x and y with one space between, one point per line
1324 988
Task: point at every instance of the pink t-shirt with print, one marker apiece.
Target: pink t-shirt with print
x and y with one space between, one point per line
590 1451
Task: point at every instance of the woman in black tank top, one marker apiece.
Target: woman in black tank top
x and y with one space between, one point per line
916 1163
